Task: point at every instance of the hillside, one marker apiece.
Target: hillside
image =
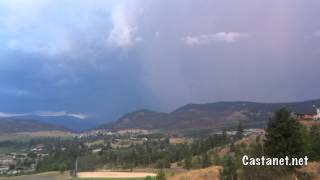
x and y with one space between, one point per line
8 125
210 173
69 122
143 119
211 115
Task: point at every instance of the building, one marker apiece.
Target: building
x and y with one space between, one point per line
317 116
4 169
307 116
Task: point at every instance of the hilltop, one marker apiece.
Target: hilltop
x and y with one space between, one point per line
210 115
142 119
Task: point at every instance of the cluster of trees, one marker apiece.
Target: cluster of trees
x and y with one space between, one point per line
159 154
154 153
62 154
199 157
285 136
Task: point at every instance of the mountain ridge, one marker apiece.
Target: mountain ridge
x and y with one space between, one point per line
9 125
219 115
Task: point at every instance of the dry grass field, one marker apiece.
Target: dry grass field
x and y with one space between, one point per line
313 169
42 176
210 173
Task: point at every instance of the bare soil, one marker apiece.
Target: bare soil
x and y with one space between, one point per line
110 174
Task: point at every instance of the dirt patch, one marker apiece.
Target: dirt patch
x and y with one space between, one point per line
110 174
210 173
313 169
180 141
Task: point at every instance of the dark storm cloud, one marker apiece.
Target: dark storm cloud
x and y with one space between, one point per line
233 50
104 58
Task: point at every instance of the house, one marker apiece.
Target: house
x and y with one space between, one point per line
307 116
317 116
4 169
97 150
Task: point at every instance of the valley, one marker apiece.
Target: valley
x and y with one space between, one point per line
145 143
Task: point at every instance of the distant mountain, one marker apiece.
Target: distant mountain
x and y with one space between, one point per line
69 122
211 115
9 125
144 119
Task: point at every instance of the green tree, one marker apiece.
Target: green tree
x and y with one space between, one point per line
229 171
188 162
284 136
239 134
148 178
62 168
161 175
224 134
206 162
163 163
314 143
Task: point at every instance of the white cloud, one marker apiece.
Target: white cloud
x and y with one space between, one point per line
45 27
157 34
226 37
61 113
316 34
124 24
6 115
19 15
78 115
45 114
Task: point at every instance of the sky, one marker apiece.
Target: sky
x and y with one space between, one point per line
100 59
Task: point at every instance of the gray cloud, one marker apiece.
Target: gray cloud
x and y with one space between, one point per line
111 57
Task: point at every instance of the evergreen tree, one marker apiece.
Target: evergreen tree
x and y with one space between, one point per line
229 171
188 162
314 143
224 135
206 162
62 168
284 136
239 134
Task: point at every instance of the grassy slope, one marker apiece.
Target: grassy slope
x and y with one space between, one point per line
26 136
